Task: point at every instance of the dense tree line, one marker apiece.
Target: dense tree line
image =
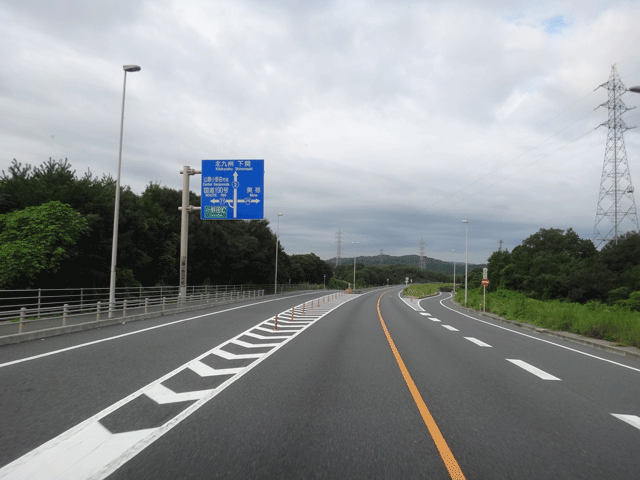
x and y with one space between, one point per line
394 274
558 264
56 231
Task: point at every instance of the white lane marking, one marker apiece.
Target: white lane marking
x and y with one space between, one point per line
163 395
425 314
630 419
91 445
107 451
270 330
205 370
416 306
265 337
449 327
233 356
480 343
434 319
531 369
253 345
54 352
539 339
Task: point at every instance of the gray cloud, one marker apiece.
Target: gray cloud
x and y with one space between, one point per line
390 120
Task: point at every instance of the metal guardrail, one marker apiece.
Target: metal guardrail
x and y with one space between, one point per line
23 311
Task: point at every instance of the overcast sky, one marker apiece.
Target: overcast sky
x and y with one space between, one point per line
391 121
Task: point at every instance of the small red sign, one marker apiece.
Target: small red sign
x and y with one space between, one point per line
485 282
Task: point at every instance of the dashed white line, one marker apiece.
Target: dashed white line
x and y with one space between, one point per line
449 327
425 314
531 369
480 343
630 419
434 319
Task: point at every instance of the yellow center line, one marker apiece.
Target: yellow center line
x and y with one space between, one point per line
441 444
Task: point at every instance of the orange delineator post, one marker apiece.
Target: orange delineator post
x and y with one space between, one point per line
292 314
275 326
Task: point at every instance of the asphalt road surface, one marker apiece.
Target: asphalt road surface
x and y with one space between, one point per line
355 386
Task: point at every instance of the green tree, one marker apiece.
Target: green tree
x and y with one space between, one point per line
35 240
542 267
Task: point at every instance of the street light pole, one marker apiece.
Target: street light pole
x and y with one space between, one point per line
454 275
466 261
275 283
116 212
355 251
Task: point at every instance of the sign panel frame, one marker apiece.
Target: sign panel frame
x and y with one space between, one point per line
232 190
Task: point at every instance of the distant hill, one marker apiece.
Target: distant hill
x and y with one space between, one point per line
432 264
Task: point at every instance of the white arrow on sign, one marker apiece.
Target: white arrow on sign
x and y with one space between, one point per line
235 194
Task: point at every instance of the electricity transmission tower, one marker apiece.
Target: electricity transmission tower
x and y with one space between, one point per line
339 242
422 254
616 201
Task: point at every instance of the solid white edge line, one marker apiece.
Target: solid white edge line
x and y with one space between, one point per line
54 352
415 307
531 369
538 339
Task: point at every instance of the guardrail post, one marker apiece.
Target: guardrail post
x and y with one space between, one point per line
146 304
23 316
65 313
39 296
98 310
124 308
164 303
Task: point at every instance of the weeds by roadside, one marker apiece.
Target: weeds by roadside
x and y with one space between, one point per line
425 289
594 319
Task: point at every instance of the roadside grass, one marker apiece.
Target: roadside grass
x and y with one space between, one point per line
424 289
594 319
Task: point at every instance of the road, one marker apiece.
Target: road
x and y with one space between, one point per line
356 386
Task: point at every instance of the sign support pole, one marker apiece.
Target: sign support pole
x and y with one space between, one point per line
184 229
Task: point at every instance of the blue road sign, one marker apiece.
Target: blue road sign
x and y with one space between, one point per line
232 190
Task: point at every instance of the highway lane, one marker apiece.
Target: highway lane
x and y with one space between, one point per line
51 385
333 403
504 421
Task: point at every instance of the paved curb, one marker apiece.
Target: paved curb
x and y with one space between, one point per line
605 345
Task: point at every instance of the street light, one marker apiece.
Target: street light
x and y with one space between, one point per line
275 283
454 275
466 261
355 250
116 212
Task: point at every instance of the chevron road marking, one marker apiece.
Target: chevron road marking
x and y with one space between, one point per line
89 450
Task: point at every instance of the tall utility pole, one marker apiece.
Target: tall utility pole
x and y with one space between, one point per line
422 253
616 201
339 242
